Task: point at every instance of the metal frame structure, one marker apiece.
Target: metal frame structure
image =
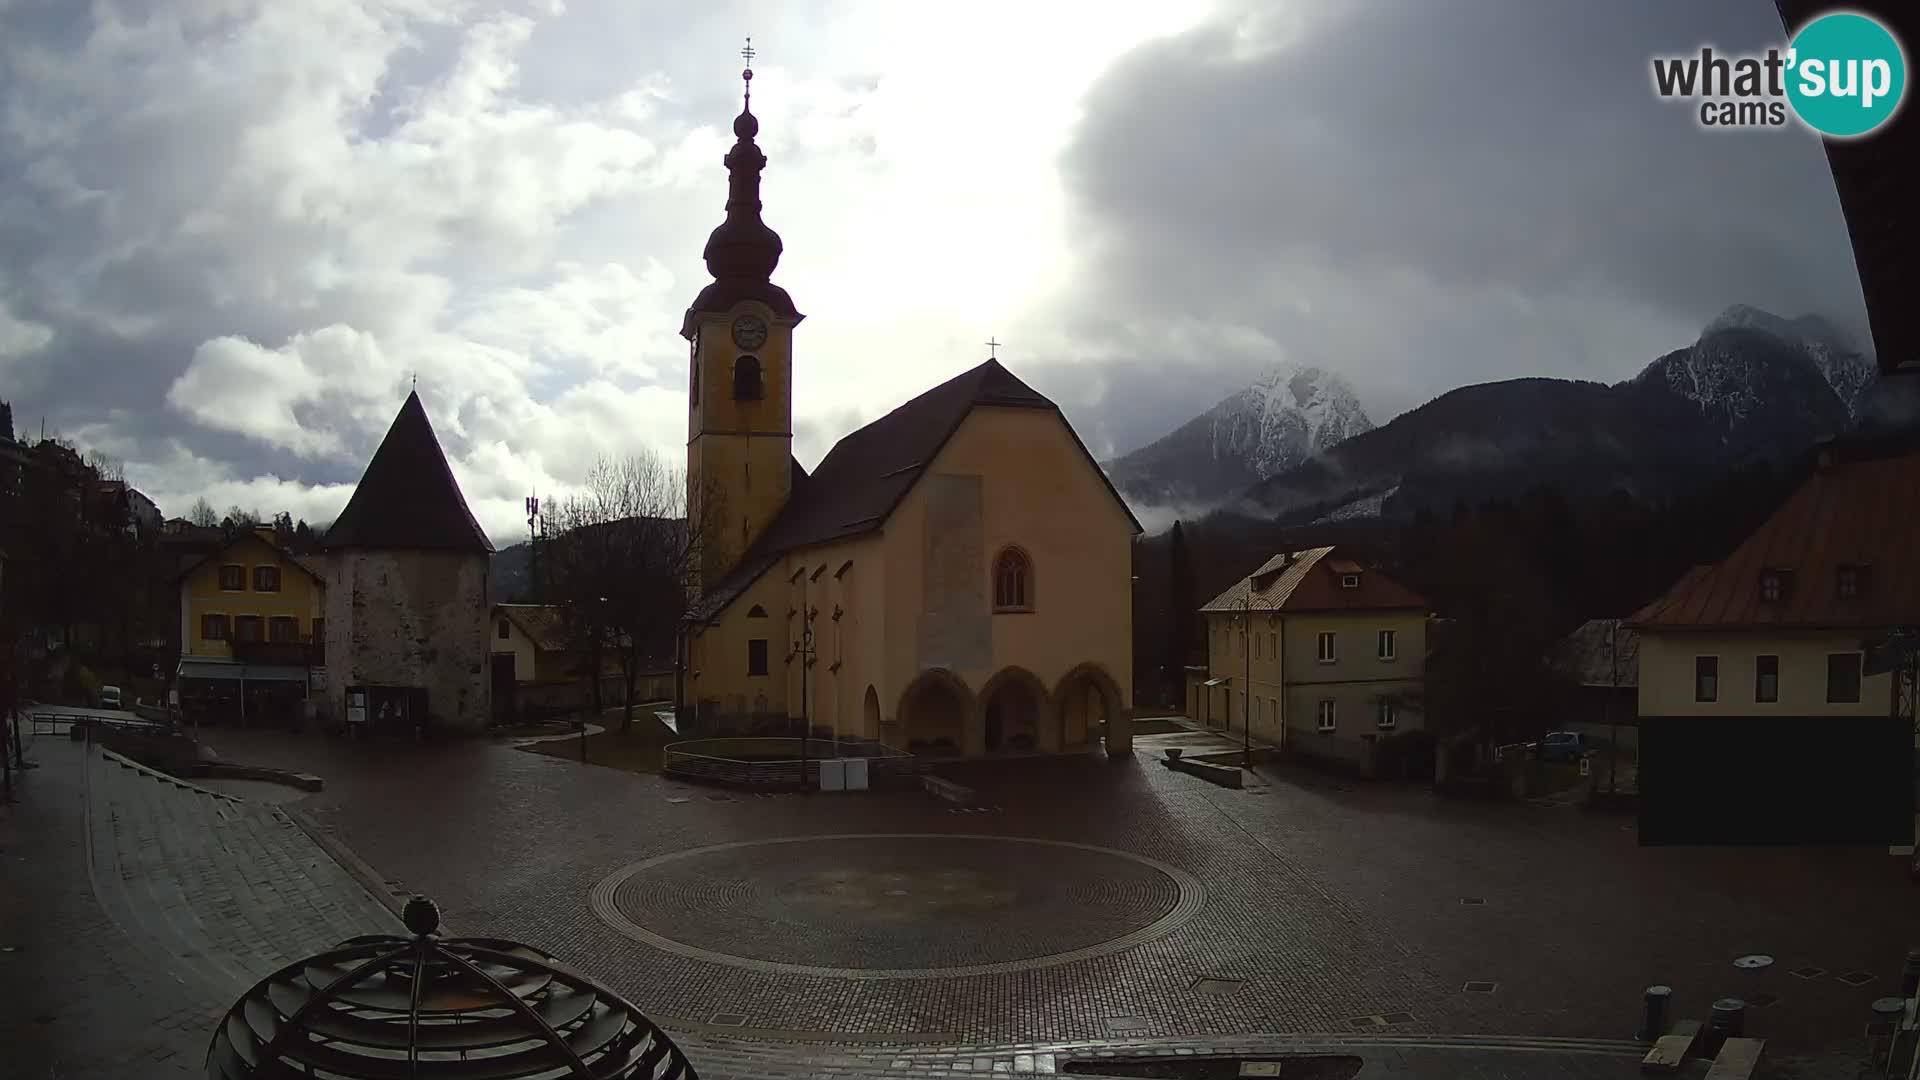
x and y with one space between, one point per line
387 1006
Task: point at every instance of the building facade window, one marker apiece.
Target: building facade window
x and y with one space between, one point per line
213 627
1769 586
503 631
747 383
757 656
283 628
1012 581
1843 677
1324 716
1386 644
246 628
1349 581
233 578
1706 678
1273 644
1385 718
1766 678
1846 582
1256 646
1327 650
266 579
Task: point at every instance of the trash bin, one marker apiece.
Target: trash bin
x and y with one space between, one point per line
856 774
833 774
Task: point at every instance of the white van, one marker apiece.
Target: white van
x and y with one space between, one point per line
110 697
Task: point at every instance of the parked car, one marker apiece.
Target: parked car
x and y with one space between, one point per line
1567 746
110 697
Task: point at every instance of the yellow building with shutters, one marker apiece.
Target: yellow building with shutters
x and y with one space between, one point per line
249 591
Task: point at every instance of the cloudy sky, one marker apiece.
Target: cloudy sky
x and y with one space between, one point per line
233 231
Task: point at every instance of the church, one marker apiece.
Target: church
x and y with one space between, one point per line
953 579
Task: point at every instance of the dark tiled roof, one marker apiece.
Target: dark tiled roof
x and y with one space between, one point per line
189 563
1875 177
1858 514
1310 581
860 481
544 624
408 499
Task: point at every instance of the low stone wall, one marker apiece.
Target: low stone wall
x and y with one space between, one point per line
777 762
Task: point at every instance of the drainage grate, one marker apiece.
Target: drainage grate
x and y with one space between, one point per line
1479 987
1808 972
1259 1068
1366 1021
1218 986
1126 1023
1473 901
1754 960
727 1020
1761 1001
1398 1018
1857 978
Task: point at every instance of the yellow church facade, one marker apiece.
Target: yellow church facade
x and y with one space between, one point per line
954 579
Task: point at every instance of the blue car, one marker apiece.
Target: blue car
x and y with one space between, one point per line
1568 746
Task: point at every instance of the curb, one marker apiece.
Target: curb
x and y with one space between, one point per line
356 867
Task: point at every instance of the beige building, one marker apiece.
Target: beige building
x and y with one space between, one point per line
1324 654
1781 627
953 579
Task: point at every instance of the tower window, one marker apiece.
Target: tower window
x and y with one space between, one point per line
746 379
1012 581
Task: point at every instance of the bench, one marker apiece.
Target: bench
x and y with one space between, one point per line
1737 1060
1670 1050
947 789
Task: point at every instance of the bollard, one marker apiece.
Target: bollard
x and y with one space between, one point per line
1884 1028
1653 1019
1910 977
1729 1021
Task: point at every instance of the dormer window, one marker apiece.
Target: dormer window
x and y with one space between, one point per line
1774 585
746 379
1349 581
1849 581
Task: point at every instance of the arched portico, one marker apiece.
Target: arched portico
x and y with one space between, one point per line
1017 714
870 714
936 710
1089 702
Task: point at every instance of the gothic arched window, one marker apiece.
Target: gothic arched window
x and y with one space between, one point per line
746 379
1012 581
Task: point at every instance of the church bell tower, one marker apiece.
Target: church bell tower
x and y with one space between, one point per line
740 378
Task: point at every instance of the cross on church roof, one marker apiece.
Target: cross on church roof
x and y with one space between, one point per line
993 349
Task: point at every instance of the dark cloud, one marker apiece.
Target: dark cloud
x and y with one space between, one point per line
1423 195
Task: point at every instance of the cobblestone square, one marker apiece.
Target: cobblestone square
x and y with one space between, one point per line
1098 907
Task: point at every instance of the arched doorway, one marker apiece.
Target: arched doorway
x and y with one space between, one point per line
1014 708
1090 707
933 714
870 715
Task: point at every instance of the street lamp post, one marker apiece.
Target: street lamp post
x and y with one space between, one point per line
803 649
1246 703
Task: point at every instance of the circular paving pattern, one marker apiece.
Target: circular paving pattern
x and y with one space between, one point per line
897 906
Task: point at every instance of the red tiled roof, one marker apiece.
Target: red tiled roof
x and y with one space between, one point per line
1859 514
1310 581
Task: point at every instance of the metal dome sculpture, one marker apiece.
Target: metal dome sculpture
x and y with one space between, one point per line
395 1008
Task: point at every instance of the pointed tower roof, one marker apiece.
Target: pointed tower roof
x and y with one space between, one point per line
408 499
742 251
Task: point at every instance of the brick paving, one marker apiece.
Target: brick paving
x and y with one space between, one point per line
1332 915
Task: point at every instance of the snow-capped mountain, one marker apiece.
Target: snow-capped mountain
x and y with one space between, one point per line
1290 414
1840 362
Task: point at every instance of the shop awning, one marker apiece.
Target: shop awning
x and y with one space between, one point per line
218 669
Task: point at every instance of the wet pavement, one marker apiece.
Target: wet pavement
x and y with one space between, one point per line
1329 913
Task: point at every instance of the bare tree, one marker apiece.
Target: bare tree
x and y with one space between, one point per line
242 519
621 557
106 466
203 514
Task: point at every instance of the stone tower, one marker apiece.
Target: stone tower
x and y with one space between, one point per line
740 388
407 610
